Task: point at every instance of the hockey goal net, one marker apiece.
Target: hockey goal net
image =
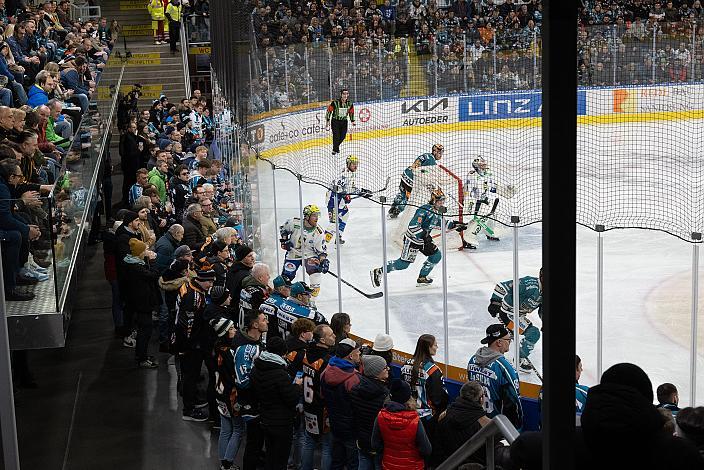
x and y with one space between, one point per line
425 179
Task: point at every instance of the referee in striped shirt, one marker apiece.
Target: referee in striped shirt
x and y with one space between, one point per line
336 116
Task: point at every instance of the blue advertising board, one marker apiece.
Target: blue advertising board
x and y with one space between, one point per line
508 106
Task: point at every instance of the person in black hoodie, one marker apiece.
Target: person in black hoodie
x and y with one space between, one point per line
277 397
368 398
142 297
123 234
621 428
296 344
462 419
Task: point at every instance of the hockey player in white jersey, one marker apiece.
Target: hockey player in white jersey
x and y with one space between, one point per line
483 200
346 190
418 237
305 245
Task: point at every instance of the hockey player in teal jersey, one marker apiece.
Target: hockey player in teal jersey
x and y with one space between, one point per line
406 185
418 238
499 379
288 310
530 293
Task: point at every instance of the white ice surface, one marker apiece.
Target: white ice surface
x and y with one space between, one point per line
647 289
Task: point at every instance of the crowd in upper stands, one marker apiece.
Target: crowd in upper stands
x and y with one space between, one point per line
49 68
462 38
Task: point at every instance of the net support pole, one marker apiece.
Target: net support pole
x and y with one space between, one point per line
330 69
615 54
654 50
516 295
268 82
697 237
354 68
445 318
494 59
694 46
599 300
382 199
535 59
8 424
286 80
251 76
559 210
300 212
381 74
308 75
464 61
276 216
338 245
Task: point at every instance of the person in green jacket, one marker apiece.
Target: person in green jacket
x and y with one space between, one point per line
157 177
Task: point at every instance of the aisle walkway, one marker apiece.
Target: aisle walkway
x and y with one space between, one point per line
94 409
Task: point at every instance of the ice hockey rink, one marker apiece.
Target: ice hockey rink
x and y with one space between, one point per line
647 274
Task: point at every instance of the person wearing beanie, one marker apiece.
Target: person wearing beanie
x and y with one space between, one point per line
368 398
632 437
383 346
339 378
141 296
170 282
398 433
220 261
278 397
297 305
489 367
219 301
231 424
241 268
192 341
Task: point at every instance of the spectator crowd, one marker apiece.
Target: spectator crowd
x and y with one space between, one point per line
462 46
49 68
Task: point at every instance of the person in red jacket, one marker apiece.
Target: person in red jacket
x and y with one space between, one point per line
398 433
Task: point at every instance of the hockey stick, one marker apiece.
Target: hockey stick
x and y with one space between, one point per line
375 295
371 193
534 369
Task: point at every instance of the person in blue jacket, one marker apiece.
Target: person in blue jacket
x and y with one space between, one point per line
39 92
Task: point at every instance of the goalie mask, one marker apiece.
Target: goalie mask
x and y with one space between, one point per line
480 165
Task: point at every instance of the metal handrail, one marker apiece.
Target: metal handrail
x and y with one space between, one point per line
499 425
184 57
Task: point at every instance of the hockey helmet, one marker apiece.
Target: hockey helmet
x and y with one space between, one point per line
436 195
309 210
351 160
438 147
480 164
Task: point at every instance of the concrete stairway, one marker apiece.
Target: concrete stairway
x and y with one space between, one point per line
151 66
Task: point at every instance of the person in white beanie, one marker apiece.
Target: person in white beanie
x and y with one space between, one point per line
383 345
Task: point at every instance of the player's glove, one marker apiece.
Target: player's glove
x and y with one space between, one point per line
324 265
494 308
365 193
286 244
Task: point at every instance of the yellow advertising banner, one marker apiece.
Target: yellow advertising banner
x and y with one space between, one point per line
133 5
138 59
199 50
137 30
151 92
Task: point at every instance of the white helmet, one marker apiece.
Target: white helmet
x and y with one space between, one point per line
480 164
